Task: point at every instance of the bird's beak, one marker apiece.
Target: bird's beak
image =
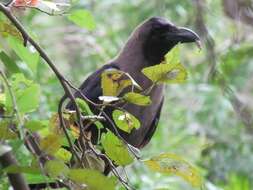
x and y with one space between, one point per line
185 35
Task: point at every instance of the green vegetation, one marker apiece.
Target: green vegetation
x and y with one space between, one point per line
204 137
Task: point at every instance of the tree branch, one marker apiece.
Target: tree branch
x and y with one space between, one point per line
68 94
17 180
62 80
240 109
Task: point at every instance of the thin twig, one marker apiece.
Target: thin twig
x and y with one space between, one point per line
63 125
82 95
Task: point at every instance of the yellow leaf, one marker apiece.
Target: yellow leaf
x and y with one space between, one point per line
173 164
113 82
5 132
51 143
54 124
8 29
75 131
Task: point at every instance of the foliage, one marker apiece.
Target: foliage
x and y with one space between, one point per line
173 164
169 71
125 121
198 122
116 150
82 18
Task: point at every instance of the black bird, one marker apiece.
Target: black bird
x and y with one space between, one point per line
146 46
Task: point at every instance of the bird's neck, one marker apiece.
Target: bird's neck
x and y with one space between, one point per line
132 60
131 56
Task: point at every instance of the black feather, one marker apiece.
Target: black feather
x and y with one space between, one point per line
146 46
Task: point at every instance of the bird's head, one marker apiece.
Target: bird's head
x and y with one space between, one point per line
159 36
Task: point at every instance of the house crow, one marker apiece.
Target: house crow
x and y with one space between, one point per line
146 46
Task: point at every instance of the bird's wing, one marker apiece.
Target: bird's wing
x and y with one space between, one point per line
91 87
152 128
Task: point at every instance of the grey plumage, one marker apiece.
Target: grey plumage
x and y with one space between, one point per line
146 46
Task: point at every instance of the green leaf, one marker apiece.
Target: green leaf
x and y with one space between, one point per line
22 169
31 59
238 181
169 71
137 99
16 144
5 132
7 29
36 125
29 100
85 109
125 121
166 73
56 168
27 94
173 164
82 18
9 63
37 178
63 154
93 179
172 57
116 150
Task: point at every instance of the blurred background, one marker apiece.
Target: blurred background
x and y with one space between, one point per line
207 120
